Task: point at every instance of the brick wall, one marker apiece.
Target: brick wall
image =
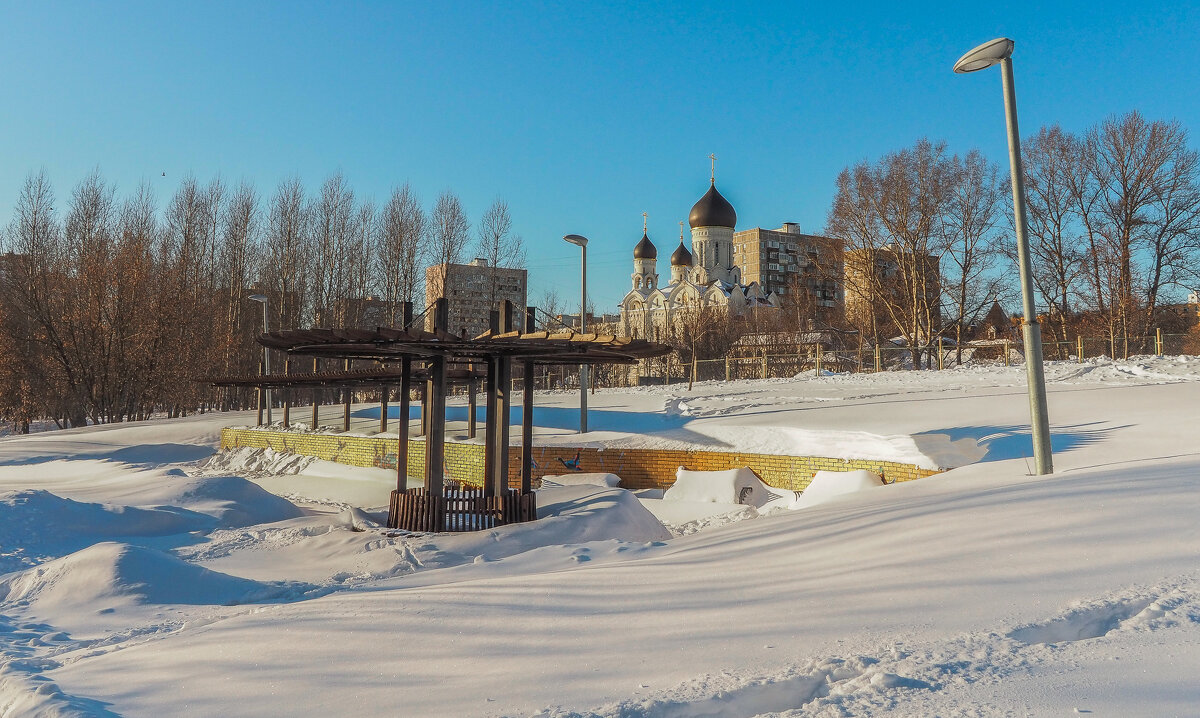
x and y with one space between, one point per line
638 468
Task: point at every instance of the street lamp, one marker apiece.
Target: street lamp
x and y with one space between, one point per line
581 242
999 51
262 299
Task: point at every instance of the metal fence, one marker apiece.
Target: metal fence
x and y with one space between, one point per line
818 360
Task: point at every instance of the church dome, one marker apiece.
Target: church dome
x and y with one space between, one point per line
712 210
681 257
645 249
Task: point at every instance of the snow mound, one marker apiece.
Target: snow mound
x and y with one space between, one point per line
733 486
601 479
234 501
109 575
36 525
828 484
574 514
246 460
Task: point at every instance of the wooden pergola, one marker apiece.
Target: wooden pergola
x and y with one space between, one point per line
439 358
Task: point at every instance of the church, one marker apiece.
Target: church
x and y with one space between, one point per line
704 277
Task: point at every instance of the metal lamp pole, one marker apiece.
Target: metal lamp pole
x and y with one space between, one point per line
262 299
999 51
582 243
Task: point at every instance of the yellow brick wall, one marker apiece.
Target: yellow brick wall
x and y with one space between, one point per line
638 468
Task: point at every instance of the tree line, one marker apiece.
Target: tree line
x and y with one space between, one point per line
1114 230
111 307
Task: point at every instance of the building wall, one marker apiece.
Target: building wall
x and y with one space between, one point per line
781 260
468 290
638 468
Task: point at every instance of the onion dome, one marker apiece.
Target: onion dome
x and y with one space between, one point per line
712 210
645 249
681 257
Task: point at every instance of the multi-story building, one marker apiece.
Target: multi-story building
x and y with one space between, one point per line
796 267
472 291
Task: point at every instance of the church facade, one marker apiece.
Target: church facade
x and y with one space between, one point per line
702 278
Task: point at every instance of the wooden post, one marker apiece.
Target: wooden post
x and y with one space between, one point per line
1079 348
1006 351
692 379
315 396
764 364
504 401
527 412
287 395
490 418
402 427
346 401
472 402
435 437
726 367
878 359
261 393
383 408
1158 342
817 353
939 351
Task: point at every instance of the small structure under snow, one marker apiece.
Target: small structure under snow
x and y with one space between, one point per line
827 484
732 486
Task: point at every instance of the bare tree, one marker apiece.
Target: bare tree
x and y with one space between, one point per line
498 246
401 243
331 219
450 232
970 248
889 215
288 256
1050 159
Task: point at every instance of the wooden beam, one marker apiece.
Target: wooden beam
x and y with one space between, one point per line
346 402
315 395
435 439
491 418
383 408
527 412
287 395
402 427
472 406
503 402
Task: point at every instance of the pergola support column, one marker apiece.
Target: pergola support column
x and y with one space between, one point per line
503 402
402 427
472 405
346 394
491 417
316 396
287 395
435 438
527 411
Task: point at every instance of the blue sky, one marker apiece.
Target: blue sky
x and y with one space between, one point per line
580 115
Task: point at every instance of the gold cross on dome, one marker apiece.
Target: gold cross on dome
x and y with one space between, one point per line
713 177
681 230
644 215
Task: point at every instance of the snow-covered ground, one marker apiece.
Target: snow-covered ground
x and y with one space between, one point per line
141 576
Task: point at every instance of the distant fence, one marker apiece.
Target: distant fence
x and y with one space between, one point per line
775 364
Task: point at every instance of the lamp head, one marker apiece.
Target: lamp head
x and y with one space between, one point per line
258 298
984 56
576 239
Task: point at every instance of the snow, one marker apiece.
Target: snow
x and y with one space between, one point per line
142 574
828 484
582 478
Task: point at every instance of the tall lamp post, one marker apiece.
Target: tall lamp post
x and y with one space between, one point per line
582 242
999 51
262 299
